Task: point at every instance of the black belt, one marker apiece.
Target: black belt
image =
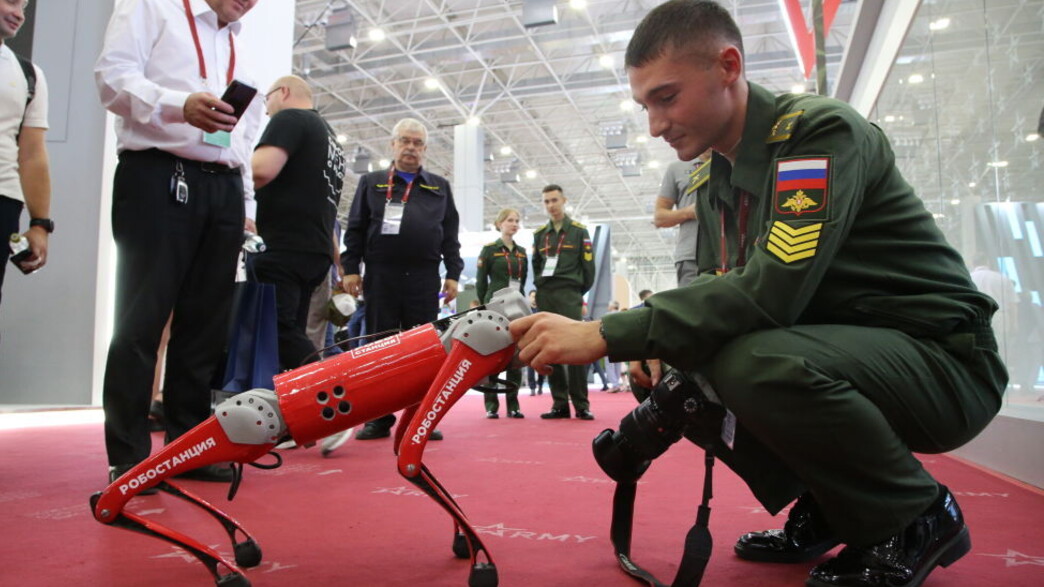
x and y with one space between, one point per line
204 166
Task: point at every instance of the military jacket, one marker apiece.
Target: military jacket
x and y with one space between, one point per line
833 235
428 233
572 244
497 266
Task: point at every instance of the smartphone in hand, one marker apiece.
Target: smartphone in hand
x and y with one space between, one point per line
238 95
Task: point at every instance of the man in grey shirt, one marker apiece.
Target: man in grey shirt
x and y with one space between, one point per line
676 206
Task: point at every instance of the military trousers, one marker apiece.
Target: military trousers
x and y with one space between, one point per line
510 398
567 382
839 410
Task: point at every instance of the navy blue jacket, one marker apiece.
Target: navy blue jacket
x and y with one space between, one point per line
428 233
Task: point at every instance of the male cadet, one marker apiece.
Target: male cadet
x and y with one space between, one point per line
563 269
403 225
841 330
25 178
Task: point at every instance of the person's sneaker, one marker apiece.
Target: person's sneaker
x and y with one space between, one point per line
938 537
493 415
804 537
515 414
584 415
286 445
555 414
334 441
117 471
215 473
373 430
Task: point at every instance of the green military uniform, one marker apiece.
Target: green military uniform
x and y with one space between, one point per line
562 293
842 330
697 186
498 267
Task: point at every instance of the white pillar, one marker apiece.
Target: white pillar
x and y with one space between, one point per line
469 175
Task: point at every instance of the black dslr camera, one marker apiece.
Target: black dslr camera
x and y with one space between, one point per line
676 407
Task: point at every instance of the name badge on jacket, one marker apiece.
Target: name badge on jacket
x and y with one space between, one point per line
393 213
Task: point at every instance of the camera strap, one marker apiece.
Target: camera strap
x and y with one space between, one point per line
698 541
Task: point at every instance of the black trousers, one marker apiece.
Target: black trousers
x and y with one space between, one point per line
10 212
295 276
172 258
399 299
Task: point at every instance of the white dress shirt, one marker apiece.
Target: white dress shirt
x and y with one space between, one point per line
13 91
149 66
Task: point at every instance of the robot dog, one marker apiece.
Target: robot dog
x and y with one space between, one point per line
423 371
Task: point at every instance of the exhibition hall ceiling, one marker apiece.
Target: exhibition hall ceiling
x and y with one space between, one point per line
547 96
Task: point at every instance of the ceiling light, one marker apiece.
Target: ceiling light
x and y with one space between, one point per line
889 118
998 164
377 35
641 139
915 78
956 201
431 83
1033 136
797 89
530 174
940 24
627 105
474 121
505 150
384 163
578 4
342 139
654 164
972 184
607 61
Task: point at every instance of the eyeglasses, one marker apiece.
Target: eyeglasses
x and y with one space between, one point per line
406 141
272 91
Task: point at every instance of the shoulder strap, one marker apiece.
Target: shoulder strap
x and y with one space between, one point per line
30 77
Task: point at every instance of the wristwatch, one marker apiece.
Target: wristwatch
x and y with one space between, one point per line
44 223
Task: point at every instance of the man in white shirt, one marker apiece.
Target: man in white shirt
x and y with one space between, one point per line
25 179
182 196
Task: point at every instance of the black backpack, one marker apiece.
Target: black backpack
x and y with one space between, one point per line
30 82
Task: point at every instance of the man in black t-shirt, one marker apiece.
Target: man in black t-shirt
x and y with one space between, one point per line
298 172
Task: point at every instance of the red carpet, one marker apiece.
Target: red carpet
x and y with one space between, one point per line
530 486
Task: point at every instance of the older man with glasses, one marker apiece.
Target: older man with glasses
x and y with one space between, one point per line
402 225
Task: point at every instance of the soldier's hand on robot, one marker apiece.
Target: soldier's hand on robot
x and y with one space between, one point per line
546 339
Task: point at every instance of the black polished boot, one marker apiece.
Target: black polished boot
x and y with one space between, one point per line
804 537
936 537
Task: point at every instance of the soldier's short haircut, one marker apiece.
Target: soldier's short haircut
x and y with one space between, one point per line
685 25
552 187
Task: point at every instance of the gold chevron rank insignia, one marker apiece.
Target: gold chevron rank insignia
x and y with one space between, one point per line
793 244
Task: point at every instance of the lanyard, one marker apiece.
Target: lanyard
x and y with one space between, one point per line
561 239
507 259
741 258
409 186
199 48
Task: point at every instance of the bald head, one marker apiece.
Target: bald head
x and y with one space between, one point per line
288 91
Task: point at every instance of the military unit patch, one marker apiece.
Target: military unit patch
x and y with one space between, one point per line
802 188
793 244
588 253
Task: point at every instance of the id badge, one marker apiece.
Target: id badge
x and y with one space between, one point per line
549 267
221 138
393 213
514 284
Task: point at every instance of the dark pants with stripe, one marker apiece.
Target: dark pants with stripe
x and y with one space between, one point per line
295 276
399 298
172 258
836 410
567 382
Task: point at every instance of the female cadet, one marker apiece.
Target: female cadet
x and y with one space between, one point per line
502 263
